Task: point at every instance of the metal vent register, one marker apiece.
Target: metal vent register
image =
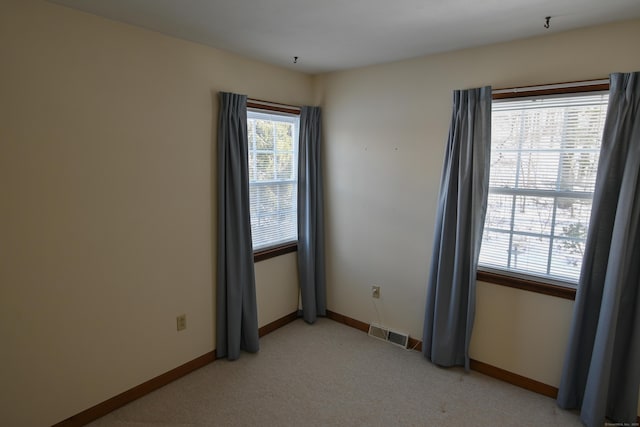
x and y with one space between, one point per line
385 334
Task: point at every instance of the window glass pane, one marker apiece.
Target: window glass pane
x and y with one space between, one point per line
264 134
567 258
287 197
544 159
538 170
495 249
529 254
285 165
285 136
572 217
533 214
264 166
578 170
499 209
267 200
503 168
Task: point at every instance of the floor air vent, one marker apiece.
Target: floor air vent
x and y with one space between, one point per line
385 334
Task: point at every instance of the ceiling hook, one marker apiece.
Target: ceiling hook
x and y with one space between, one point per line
546 22
295 59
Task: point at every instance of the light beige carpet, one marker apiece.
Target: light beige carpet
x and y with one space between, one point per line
329 374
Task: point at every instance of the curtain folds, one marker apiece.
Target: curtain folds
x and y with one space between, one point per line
311 268
462 205
601 372
236 309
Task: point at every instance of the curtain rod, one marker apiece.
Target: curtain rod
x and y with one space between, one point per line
556 86
268 105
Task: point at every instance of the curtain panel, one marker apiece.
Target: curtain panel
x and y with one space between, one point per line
601 372
462 205
311 260
236 308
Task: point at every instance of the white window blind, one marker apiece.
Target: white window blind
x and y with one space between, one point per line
544 159
273 172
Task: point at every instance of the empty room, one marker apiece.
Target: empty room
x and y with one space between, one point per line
319 213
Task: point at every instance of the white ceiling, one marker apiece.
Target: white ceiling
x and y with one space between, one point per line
329 35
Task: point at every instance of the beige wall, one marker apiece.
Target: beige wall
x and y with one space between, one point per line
385 133
522 332
107 184
277 287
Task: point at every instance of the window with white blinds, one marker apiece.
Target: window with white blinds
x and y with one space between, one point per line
544 160
273 172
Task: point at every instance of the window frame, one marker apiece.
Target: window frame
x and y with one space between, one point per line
286 247
513 280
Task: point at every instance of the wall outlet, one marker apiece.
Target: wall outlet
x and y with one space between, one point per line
181 322
375 291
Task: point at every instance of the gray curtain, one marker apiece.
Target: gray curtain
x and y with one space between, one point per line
311 216
602 367
462 205
236 309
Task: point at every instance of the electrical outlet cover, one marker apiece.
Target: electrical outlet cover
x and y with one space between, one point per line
181 322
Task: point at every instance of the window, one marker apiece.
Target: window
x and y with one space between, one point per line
273 173
544 159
